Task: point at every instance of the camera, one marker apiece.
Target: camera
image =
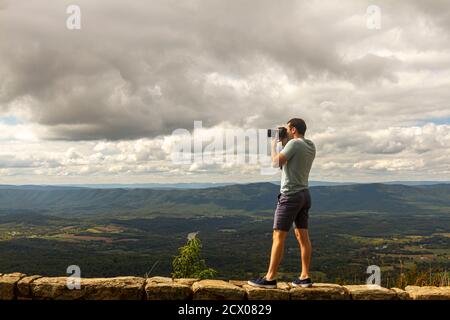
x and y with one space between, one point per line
280 132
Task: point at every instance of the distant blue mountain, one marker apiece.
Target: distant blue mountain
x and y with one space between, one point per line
376 197
198 185
150 185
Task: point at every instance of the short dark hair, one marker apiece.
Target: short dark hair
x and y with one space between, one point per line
298 124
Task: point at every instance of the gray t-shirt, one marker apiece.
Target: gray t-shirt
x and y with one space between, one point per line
300 153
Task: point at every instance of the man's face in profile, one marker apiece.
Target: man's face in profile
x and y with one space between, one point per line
290 135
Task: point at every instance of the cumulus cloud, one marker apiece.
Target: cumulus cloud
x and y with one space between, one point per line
133 74
421 151
105 99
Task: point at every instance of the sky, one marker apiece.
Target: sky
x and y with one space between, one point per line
100 104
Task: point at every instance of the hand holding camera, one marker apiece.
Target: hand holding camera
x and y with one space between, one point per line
279 134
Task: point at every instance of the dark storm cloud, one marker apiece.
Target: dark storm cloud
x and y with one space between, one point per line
145 68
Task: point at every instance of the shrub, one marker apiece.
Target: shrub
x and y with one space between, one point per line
189 263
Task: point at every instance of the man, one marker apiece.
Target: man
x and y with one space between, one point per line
294 202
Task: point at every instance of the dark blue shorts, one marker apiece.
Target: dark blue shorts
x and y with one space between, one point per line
292 210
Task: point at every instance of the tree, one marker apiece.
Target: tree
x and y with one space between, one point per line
189 263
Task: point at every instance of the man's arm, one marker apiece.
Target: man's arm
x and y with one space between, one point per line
278 159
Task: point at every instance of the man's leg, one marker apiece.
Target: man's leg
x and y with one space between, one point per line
279 237
305 249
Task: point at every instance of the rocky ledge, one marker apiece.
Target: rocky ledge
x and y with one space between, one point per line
18 286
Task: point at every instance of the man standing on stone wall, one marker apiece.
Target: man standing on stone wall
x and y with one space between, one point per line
294 202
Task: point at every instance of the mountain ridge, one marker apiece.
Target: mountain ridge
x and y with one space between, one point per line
244 197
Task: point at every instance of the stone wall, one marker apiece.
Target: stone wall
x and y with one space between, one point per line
18 286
